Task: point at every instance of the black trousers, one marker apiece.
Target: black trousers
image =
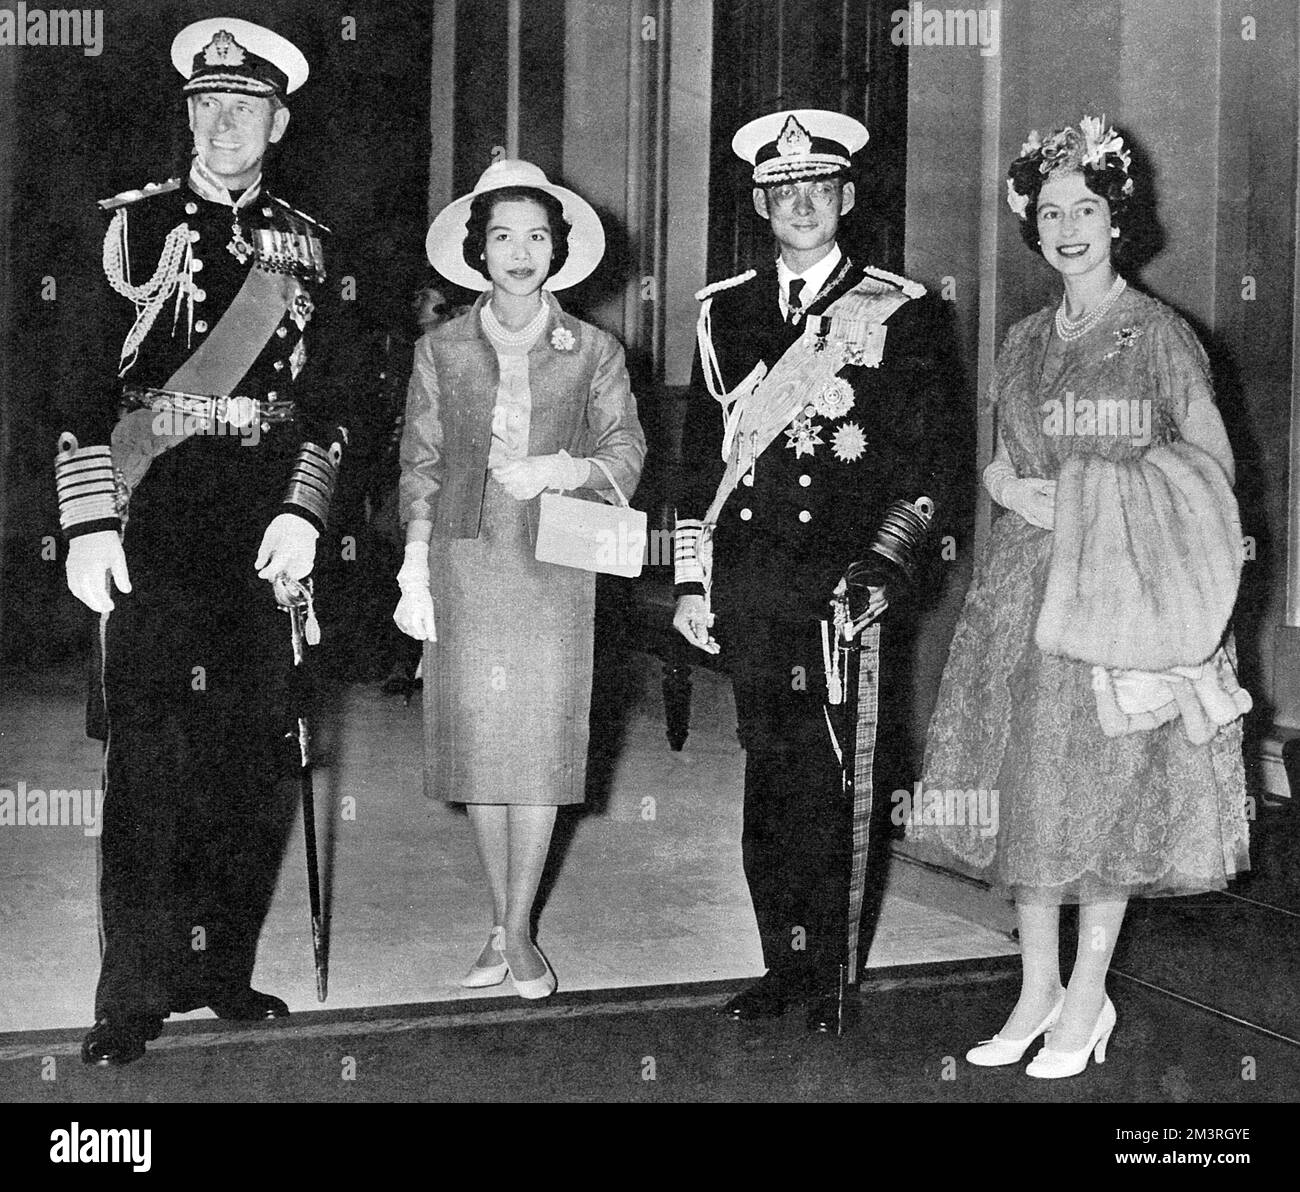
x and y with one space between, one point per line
797 837
197 665
189 854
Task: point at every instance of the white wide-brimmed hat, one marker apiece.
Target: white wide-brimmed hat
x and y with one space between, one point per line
446 239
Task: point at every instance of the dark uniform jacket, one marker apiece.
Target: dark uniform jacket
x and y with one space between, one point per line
195 519
783 541
287 368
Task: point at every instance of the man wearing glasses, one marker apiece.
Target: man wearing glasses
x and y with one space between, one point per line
810 427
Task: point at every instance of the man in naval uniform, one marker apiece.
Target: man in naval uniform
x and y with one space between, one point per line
190 484
810 455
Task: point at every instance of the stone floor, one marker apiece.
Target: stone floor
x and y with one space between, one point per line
647 886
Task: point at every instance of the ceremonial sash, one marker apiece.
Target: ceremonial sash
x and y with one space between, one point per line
851 330
214 369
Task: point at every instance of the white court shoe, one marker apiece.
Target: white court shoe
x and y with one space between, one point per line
1051 1065
483 975
995 1052
536 987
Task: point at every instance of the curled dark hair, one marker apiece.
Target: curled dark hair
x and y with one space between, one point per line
1106 181
480 213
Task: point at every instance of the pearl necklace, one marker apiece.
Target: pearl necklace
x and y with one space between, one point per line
1070 331
525 335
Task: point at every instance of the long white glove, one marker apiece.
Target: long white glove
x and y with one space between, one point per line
92 559
289 546
1033 498
525 478
414 612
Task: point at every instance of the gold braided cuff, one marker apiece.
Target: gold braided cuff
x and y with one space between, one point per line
84 482
311 484
688 571
903 532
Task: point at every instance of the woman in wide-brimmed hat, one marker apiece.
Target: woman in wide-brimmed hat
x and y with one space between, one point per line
513 397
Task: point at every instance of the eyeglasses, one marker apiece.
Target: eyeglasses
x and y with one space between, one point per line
822 194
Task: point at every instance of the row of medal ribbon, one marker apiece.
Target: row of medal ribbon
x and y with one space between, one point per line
281 250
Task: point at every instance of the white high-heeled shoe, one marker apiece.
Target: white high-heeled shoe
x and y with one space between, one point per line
1050 1065
995 1052
483 975
535 987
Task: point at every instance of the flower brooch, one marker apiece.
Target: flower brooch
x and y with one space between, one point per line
1125 338
562 339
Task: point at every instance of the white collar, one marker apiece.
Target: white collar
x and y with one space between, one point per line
814 277
208 186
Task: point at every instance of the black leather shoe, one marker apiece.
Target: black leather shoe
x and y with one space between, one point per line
118 1041
249 1006
764 999
824 1015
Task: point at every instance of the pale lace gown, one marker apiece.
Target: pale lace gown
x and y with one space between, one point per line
1080 816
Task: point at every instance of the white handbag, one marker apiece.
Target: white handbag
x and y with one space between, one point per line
592 535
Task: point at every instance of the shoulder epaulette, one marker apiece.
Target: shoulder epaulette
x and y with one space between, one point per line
134 196
913 289
315 223
726 284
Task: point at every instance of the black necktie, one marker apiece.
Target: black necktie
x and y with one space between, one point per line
794 311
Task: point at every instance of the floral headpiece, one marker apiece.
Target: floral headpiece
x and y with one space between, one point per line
1071 149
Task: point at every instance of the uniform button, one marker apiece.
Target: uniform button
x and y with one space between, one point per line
194 236
809 410
195 265
267 212
747 479
200 326
746 514
278 365
271 395
199 295
191 208
805 480
804 515
282 331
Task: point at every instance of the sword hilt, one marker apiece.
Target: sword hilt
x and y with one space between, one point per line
297 598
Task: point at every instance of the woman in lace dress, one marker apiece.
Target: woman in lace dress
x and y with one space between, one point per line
513 397
1090 682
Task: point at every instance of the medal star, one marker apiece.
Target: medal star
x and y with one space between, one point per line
835 400
849 443
804 436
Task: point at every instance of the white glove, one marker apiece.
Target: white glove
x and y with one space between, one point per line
1033 498
289 546
92 559
524 478
414 612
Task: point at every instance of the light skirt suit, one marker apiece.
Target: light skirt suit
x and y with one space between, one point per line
507 684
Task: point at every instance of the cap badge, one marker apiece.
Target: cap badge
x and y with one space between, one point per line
794 140
223 50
